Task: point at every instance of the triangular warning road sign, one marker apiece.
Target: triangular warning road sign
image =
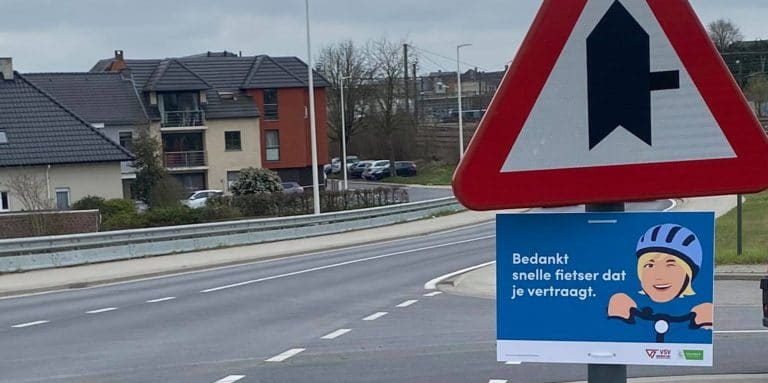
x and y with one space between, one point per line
610 101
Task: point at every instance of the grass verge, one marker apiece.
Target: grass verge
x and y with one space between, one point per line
429 174
755 233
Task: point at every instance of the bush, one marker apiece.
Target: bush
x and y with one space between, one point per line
89 202
125 220
167 192
172 216
114 207
257 181
218 209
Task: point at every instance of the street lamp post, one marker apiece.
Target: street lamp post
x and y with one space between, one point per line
461 111
344 134
312 122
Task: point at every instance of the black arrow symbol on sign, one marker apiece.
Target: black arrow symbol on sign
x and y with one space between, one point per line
619 77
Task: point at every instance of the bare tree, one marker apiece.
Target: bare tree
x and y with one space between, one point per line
31 190
757 92
724 33
351 62
388 105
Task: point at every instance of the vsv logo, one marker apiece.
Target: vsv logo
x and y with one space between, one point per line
655 353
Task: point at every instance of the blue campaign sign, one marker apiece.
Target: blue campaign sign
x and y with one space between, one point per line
610 288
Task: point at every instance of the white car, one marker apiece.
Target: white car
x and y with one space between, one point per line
199 198
336 163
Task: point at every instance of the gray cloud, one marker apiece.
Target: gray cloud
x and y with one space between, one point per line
48 35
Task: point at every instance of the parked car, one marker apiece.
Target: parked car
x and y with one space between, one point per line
199 198
292 188
377 171
357 169
336 163
405 168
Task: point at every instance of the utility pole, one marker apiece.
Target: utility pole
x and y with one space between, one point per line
415 94
461 112
312 121
406 87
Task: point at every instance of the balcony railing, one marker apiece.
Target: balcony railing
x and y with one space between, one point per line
184 159
181 119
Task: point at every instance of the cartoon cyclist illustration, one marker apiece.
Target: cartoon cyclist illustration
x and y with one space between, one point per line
669 258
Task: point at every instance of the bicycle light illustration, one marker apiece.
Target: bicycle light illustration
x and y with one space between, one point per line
669 257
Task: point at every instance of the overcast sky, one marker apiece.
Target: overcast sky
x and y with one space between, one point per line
71 35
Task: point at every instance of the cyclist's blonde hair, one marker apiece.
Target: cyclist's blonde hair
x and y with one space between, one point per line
687 290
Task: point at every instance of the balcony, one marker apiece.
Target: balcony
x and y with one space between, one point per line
182 160
183 119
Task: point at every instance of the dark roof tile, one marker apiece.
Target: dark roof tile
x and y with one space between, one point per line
41 131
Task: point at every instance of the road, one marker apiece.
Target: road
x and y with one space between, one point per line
266 322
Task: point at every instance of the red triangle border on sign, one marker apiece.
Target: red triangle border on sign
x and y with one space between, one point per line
480 185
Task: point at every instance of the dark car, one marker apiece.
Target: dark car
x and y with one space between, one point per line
359 168
405 168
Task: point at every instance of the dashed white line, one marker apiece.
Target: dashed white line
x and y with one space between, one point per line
336 333
432 294
407 303
375 316
230 379
163 300
290 353
513 362
99 311
29 324
497 381
345 263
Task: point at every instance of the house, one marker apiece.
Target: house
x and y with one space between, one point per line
108 101
217 113
61 153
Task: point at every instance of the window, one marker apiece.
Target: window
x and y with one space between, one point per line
3 138
273 145
62 198
232 141
126 140
270 104
5 203
232 177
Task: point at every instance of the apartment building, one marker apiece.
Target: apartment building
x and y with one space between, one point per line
217 113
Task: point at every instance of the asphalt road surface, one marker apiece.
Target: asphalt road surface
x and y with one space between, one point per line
352 315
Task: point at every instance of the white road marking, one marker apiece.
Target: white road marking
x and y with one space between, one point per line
375 316
99 311
29 324
497 381
432 284
336 333
674 205
230 379
344 264
290 353
432 294
742 332
163 300
407 303
513 362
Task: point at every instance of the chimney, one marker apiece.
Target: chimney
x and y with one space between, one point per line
6 68
119 62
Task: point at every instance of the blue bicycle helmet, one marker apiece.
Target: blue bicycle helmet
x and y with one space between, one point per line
672 239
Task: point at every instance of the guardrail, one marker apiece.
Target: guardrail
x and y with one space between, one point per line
71 250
